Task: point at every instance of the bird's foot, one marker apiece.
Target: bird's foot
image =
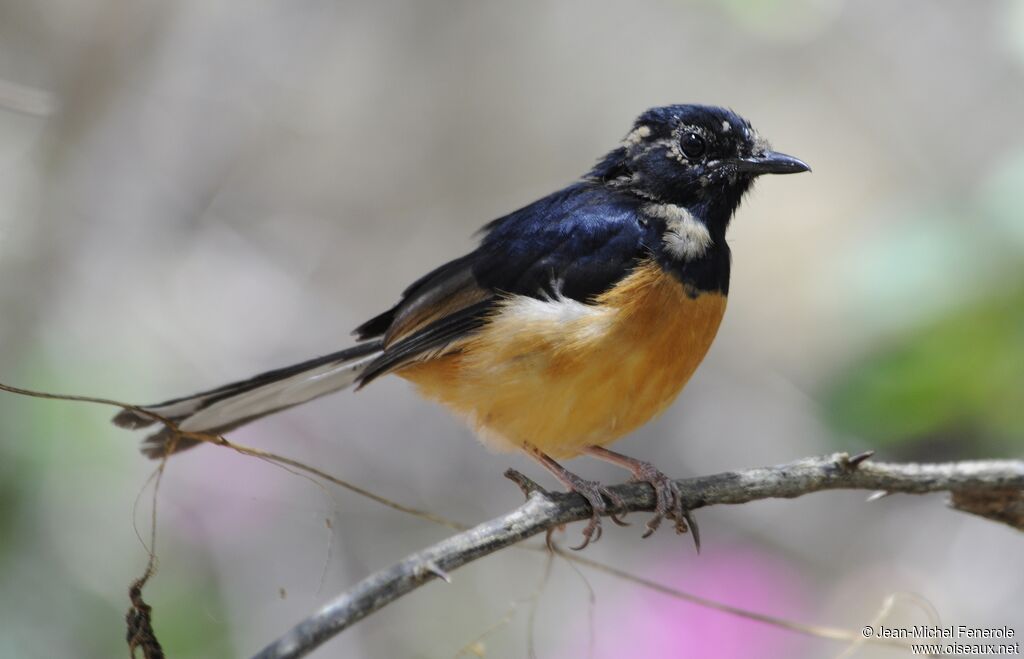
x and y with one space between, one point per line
669 501
595 494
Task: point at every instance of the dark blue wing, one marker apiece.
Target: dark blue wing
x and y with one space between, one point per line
576 243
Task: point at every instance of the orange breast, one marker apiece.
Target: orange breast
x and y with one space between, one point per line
562 375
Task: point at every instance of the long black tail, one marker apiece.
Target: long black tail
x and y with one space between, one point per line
222 409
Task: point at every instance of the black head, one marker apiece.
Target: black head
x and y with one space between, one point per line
698 157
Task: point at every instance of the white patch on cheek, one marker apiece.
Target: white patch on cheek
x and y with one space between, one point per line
726 126
685 237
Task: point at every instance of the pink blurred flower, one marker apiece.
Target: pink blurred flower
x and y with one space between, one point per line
644 624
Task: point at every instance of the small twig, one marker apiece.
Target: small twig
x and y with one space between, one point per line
526 484
139 618
219 440
476 645
281 460
541 513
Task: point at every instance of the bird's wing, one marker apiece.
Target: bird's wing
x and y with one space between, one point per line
576 243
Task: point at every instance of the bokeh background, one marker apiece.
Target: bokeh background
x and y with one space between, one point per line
194 191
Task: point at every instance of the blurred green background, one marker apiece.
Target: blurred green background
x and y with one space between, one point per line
191 192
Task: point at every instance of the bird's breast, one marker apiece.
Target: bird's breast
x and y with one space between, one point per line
562 375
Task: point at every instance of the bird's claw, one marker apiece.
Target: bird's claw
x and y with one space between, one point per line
669 502
595 494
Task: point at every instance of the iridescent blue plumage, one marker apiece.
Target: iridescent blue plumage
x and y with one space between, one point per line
575 243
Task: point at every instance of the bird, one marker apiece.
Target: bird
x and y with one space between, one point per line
576 320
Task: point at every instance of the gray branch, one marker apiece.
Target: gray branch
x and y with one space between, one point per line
993 489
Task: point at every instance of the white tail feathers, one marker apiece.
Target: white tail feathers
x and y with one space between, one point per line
225 408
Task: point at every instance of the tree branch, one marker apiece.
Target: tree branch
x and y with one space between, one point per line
993 489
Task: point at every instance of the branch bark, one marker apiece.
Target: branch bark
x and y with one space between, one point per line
993 489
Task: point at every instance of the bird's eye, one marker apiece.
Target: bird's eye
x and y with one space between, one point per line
692 145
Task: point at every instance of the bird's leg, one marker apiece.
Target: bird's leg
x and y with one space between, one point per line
592 491
668 497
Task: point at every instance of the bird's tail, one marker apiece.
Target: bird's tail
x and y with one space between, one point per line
222 409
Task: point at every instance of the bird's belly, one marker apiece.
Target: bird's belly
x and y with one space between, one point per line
562 375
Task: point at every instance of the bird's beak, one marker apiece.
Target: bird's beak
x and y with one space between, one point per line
770 162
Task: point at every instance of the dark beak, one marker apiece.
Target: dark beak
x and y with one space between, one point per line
770 162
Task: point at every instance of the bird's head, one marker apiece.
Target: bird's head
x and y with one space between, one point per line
695 157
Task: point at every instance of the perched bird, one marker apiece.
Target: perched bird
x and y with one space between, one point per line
577 319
